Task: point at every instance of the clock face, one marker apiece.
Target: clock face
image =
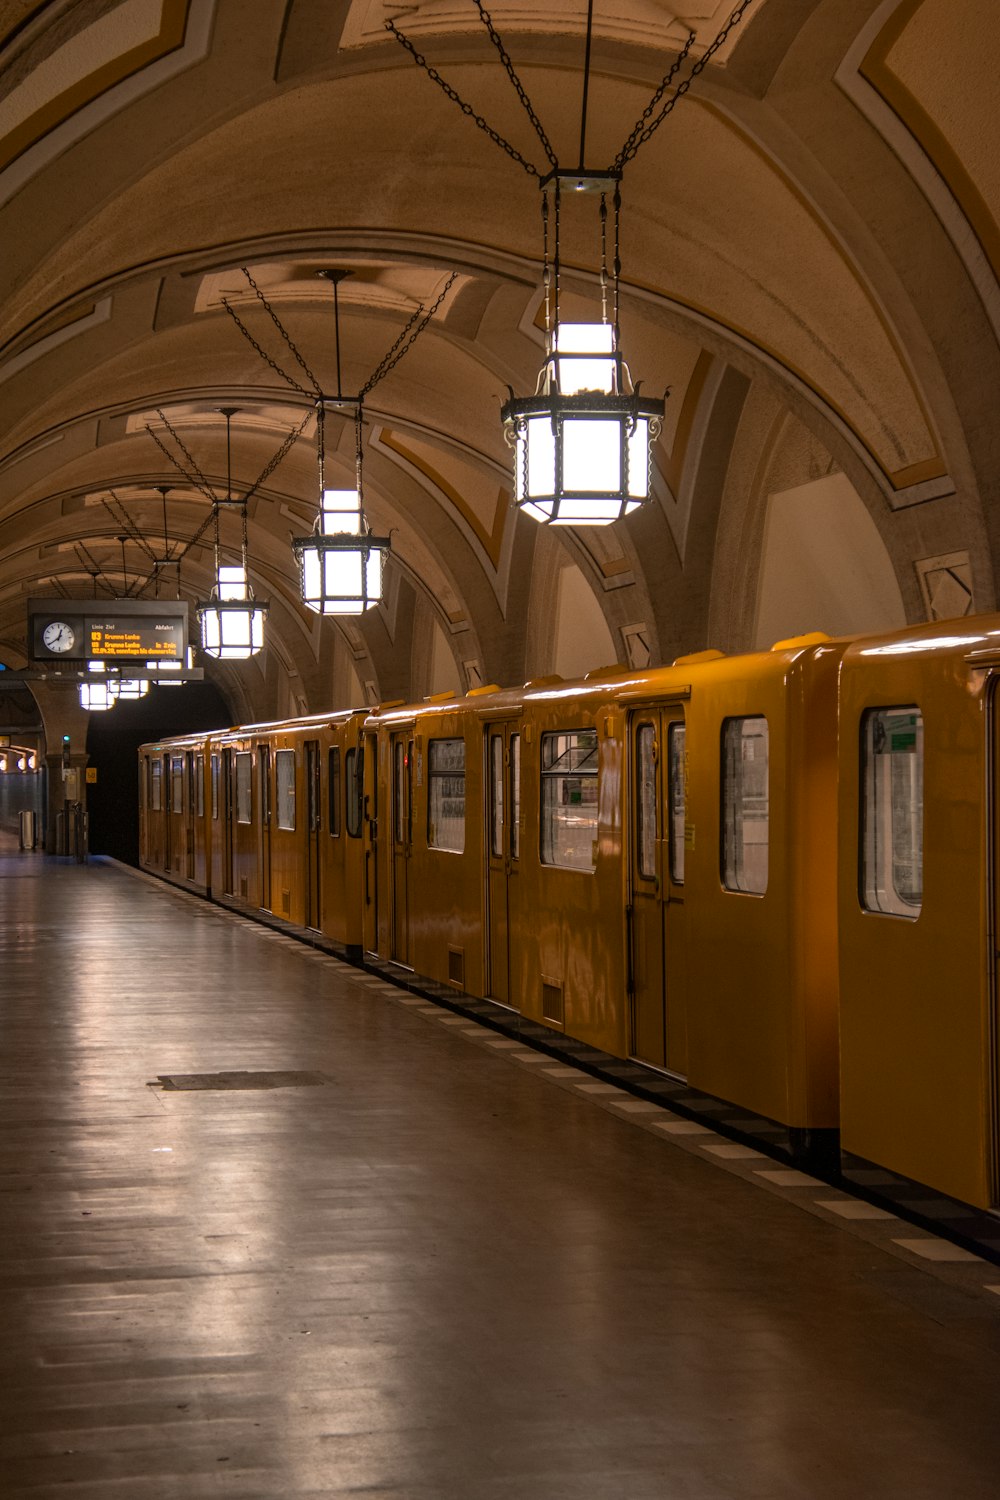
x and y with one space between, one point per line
59 636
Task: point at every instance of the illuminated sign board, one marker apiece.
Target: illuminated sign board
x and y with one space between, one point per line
74 630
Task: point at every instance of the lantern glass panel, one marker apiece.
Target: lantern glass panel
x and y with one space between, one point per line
311 575
579 373
541 456
342 573
341 513
373 576
589 510
592 455
232 583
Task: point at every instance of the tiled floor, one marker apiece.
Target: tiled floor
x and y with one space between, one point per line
439 1274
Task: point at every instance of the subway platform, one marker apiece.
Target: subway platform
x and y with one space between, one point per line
274 1228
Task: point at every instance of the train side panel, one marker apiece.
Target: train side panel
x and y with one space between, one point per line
761 815
918 1012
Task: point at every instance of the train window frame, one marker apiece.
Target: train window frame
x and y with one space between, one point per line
738 875
333 790
879 893
155 784
645 801
446 785
497 792
284 790
216 773
676 799
199 785
176 783
515 796
243 775
574 759
354 790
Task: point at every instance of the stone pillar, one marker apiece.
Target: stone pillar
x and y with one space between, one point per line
59 705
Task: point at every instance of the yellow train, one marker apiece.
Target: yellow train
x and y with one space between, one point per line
771 875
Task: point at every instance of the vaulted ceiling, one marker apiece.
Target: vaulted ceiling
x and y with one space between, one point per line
809 247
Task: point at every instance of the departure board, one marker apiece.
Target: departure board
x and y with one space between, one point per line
114 630
110 638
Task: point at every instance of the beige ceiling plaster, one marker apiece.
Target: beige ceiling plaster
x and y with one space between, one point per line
647 23
97 73
384 286
943 82
479 505
759 257
915 137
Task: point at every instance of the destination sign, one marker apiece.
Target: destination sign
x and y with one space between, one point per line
75 630
151 640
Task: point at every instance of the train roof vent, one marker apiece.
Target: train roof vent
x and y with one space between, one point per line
696 656
599 672
481 692
796 642
540 682
439 697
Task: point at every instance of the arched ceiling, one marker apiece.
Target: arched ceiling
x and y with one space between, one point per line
816 222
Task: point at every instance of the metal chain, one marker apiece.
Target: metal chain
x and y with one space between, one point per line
546 275
414 329
121 518
497 41
633 144
604 258
283 374
616 269
195 476
456 98
95 567
637 138
293 349
269 468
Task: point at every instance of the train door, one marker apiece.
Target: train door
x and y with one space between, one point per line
658 936
228 782
401 752
168 829
503 782
189 813
264 774
368 751
314 820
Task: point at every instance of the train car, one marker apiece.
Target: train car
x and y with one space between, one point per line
173 811
640 859
918 900
286 823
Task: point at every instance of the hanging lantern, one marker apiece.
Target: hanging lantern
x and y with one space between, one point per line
582 443
97 696
129 689
341 562
231 620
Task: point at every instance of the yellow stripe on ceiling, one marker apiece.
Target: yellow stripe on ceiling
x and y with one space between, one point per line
173 26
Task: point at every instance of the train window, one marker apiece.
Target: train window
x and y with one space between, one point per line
177 783
744 805
515 796
199 786
675 800
355 778
244 787
446 795
399 798
645 775
155 785
496 795
892 813
284 785
215 787
333 790
569 799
